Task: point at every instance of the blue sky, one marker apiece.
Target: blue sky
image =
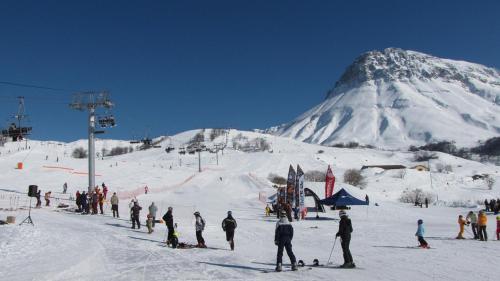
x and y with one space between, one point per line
178 65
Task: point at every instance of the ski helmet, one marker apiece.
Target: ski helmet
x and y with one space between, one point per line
196 213
283 213
342 213
420 221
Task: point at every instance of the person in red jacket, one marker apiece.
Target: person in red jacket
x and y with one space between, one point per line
104 190
498 227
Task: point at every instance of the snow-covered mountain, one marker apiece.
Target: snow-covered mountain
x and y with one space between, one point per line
396 98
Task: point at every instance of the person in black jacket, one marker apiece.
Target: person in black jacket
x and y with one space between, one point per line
345 230
168 218
136 209
283 236
229 225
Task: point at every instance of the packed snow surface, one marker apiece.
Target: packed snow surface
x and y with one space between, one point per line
68 246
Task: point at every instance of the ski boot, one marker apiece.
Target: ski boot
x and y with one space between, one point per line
278 267
294 266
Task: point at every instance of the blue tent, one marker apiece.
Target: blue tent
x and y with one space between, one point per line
342 198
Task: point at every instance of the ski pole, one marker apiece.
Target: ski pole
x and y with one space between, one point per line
331 252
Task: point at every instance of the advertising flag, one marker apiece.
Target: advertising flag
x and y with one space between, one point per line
290 187
301 197
329 182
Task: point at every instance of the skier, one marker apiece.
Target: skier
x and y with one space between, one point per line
498 227
101 203
367 199
268 210
130 206
486 205
426 202
146 189
136 209
199 226
152 211
149 223
345 230
472 219
114 205
461 223
104 190
420 234
65 187
168 218
229 225
283 236
38 201
482 221
47 198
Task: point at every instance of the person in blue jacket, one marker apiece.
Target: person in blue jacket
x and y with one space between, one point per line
420 234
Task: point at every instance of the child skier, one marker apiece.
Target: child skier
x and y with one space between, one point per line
149 223
461 223
420 234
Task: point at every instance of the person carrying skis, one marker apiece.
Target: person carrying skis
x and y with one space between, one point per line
420 234
152 211
472 219
482 221
498 227
199 226
114 204
345 230
283 236
461 223
168 218
136 209
229 225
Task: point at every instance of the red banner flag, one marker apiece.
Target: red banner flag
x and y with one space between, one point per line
329 182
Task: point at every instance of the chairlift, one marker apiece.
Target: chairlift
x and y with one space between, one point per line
106 121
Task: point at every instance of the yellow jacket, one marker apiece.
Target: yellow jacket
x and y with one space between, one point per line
482 219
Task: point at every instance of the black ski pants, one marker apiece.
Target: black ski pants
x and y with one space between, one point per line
135 219
474 230
287 244
345 249
171 233
483 235
199 238
422 241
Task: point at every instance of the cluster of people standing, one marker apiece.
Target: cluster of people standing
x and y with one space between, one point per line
89 202
478 225
492 206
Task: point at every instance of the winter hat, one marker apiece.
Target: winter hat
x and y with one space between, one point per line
420 221
196 213
282 213
229 213
342 213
